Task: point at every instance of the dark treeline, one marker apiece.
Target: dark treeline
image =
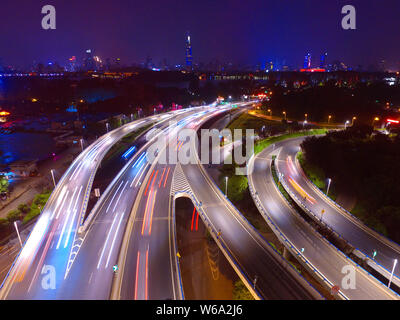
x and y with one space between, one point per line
32 96
362 100
365 166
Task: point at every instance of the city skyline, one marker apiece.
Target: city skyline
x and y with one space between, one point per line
226 31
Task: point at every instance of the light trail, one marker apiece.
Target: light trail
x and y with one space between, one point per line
137 274
62 205
59 201
66 220
119 197
113 242
105 243
193 214
166 178
162 177
115 193
147 275
140 177
300 190
147 187
152 212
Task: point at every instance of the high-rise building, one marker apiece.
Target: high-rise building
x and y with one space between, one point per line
307 61
72 64
189 57
322 62
88 62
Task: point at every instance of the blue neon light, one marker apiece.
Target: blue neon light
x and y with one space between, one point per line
127 153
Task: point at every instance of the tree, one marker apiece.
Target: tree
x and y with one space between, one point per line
4 184
14 216
23 208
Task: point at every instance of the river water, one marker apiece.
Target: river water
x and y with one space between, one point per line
25 146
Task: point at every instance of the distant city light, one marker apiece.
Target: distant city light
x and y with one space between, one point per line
313 70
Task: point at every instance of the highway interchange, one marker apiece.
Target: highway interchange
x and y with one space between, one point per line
131 228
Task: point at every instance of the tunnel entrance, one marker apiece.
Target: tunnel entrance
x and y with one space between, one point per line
206 274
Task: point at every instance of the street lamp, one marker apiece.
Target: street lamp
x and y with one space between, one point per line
284 113
329 119
352 121
329 184
270 112
107 126
346 123
82 144
226 186
391 275
373 121
306 118
52 174
16 229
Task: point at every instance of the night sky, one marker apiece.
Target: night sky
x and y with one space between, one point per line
238 31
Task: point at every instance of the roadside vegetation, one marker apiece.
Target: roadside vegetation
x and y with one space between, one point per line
24 213
240 291
262 144
340 99
4 184
364 165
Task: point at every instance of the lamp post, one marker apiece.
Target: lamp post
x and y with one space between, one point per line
329 184
226 186
16 229
82 144
284 113
107 126
391 275
346 123
52 175
352 121
329 119
305 118
270 112
373 121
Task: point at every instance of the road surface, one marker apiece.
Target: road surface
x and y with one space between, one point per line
321 255
350 228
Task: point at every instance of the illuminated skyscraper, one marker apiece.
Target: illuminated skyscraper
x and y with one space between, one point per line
307 61
72 64
88 62
322 62
189 57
